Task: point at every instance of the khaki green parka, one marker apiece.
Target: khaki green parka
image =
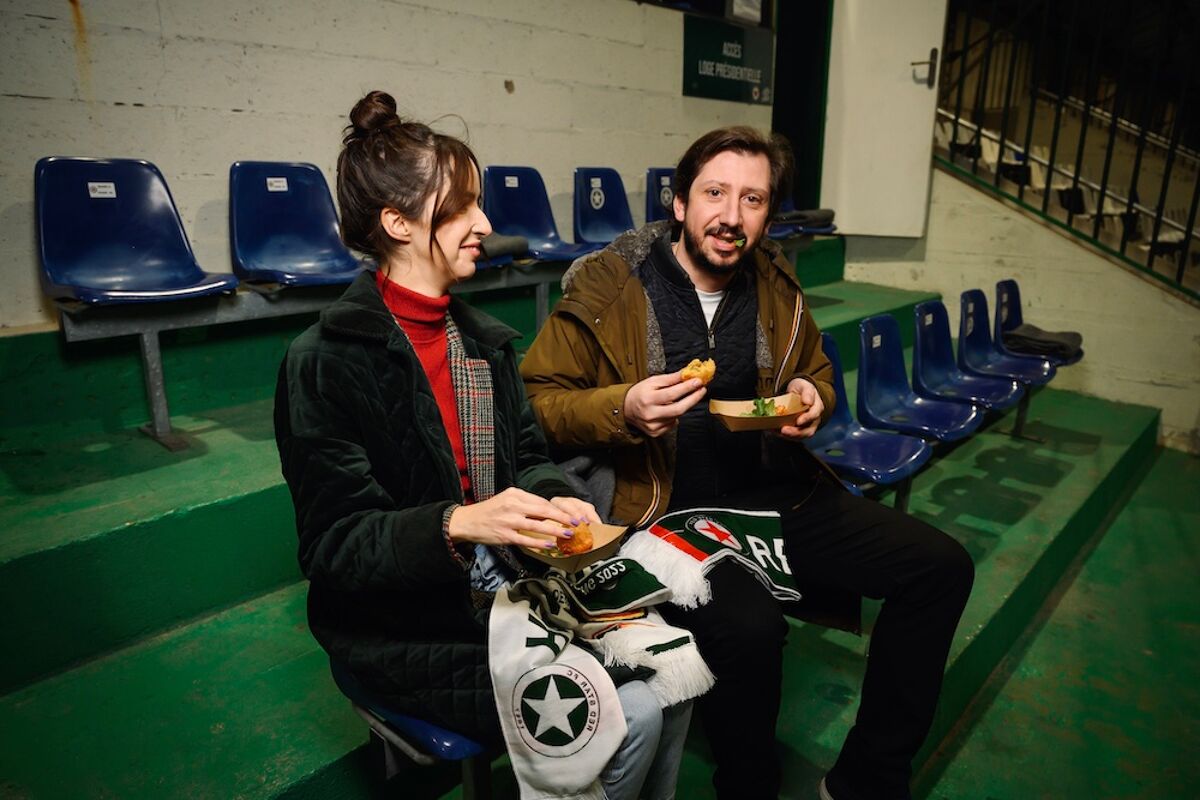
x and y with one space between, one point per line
602 338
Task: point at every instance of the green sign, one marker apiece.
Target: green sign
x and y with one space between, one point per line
727 62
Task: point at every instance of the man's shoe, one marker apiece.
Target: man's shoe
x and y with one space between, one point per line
823 791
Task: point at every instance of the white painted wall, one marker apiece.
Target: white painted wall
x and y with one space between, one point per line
194 86
879 115
1142 344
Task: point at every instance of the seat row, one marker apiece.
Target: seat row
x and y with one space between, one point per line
109 231
517 204
948 397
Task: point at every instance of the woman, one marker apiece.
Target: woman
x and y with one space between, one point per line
413 458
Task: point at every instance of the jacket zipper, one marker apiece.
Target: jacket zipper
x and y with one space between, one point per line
712 326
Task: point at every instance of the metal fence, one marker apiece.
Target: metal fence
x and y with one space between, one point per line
1082 112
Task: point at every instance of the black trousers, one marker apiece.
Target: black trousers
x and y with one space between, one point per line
833 539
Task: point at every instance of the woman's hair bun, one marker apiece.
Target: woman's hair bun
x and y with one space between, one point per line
374 112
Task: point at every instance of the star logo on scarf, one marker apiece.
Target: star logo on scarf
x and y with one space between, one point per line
715 531
555 709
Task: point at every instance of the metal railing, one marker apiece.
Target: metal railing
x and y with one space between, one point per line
1024 84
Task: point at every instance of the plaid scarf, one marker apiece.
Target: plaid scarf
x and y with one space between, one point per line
472 379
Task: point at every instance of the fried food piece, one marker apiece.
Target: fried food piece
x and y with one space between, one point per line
704 370
581 542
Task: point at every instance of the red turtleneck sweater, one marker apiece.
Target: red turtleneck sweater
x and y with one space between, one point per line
423 320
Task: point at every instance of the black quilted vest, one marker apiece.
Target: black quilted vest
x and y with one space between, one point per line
710 460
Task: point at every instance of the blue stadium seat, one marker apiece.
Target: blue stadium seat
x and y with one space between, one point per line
977 355
852 450
283 228
659 193
786 229
885 399
109 233
420 741
601 207
1008 317
516 202
935 374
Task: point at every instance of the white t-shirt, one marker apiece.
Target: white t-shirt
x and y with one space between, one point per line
708 303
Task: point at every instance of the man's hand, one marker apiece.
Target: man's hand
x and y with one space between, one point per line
806 424
654 405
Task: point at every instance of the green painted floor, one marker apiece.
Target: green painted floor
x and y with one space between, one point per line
1104 703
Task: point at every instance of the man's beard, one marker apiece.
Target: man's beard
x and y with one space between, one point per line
700 260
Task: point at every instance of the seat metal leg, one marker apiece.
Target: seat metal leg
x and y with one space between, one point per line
159 427
477 778
903 490
1018 429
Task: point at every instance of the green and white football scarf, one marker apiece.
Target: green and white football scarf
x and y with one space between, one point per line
558 707
680 548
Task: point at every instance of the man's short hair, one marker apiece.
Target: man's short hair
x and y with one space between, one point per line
744 140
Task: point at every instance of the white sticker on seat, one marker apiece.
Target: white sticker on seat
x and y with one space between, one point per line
876 340
664 180
511 181
595 183
102 189
277 184
929 319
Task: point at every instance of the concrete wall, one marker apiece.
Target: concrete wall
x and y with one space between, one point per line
194 86
1142 344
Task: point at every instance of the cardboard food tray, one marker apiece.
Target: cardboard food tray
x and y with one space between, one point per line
733 413
606 540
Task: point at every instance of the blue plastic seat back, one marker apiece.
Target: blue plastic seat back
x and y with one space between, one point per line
109 225
841 412
601 207
882 382
660 193
933 352
516 203
974 337
428 738
1008 308
282 224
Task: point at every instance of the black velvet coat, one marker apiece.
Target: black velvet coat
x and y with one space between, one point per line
371 472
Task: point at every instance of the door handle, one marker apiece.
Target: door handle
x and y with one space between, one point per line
931 78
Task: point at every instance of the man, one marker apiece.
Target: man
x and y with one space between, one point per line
602 376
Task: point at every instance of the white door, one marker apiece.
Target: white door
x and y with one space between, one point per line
879 115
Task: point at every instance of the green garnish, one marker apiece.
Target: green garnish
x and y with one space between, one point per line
763 407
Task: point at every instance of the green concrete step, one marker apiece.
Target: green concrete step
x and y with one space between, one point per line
1102 701
819 260
240 704
236 705
111 537
838 308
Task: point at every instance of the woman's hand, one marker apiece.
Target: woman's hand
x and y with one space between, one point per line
500 520
578 509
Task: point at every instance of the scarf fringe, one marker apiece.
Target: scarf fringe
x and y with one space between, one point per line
680 675
683 575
